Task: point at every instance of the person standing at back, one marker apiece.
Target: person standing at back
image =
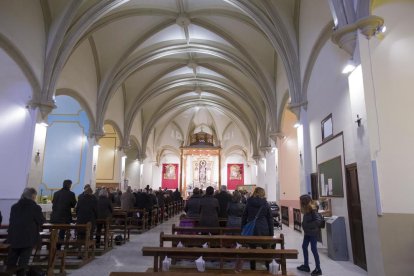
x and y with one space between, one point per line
209 209
310 226
257 206
63 201
87 211
26 219
224 198
235 210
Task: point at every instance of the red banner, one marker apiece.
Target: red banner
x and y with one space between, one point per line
169 176
235 175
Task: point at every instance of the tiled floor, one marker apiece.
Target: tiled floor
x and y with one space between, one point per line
128 257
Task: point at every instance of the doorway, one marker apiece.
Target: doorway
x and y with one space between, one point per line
355 216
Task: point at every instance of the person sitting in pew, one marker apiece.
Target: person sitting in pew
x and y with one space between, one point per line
26 219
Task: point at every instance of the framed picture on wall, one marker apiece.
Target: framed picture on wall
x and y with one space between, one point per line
327 127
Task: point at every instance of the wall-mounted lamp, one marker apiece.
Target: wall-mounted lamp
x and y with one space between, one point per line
296 125
349 67
358 120
37 156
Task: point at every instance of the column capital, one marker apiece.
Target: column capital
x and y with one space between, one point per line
45 106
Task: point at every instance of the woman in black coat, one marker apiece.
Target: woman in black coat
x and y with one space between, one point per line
26 219
264 223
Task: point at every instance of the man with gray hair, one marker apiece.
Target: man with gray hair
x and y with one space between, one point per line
224 198
26 219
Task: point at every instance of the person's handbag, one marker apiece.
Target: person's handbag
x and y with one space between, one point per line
248 228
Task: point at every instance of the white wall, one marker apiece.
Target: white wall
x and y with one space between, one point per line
115 111
79 74
22 23
392 75
16 132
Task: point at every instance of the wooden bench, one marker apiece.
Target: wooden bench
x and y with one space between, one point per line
221 240
137 222
159 253
222 221
211 230
120 223
181 273
79 246
50 240
106 234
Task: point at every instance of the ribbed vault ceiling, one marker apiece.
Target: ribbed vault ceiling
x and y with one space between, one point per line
173 57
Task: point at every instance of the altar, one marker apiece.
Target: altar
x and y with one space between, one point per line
200 164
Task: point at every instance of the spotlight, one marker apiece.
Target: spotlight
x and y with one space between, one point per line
349 67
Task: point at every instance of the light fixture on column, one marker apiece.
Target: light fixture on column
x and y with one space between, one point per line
297 124
358 120
349 67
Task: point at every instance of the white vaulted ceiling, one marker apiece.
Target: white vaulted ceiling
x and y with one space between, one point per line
179 64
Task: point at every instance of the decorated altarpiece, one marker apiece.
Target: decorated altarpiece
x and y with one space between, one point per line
200 164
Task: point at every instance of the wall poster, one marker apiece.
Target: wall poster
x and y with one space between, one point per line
235 175
169 176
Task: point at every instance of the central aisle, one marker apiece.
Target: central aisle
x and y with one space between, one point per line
128 257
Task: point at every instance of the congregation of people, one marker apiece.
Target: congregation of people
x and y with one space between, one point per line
209 208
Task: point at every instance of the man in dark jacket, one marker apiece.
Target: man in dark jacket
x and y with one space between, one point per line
26 219
87 211
224 198
63 201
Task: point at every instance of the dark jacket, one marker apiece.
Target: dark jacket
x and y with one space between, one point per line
192 207
87 209
26 219
141 200
224 198
209 210
310 224
177 195
1 218
63 201
264 222
127 201
105 209
235 212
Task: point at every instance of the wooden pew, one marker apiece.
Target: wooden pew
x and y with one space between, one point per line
137 222
106 234
193 253
47 238
212 230
83 247
221 240
222 221
120 222
176 273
